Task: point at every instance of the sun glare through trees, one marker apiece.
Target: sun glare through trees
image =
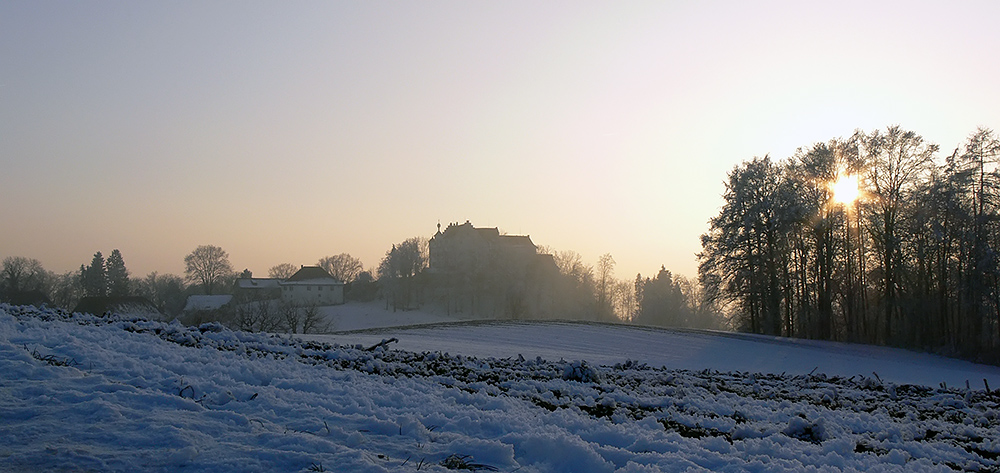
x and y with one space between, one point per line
845 189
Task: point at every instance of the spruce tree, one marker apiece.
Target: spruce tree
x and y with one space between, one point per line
117 274
94 278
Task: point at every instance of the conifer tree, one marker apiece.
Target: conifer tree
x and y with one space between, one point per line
117 274
94 278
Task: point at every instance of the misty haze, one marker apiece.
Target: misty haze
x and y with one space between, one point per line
515 236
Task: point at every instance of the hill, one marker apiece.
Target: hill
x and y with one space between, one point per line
85 393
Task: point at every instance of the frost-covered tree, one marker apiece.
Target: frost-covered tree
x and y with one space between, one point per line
896 161
963 210
912 261
747 250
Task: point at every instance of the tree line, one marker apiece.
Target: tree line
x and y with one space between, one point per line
208 270
910 261
576 291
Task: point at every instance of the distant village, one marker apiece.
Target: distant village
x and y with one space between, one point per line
460 270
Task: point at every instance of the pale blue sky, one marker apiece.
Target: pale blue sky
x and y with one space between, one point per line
288 131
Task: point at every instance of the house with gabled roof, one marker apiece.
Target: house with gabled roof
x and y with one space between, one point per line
258 288
312 285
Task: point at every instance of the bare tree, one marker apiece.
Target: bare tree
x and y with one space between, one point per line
312 321
343 267
282 271
289 313
897 160
912 261
624 300
21 274
570 263
207 265
66 289
398 269
302 318
575 288
605 286
252 312
703 313
165 291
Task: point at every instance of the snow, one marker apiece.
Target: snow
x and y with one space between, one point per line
206 302
675 349
361 316
86 393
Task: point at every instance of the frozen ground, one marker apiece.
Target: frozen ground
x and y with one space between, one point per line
372 315
673 349
82 393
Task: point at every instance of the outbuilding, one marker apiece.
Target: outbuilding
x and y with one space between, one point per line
312 285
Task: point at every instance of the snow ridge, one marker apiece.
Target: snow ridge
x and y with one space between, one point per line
123 393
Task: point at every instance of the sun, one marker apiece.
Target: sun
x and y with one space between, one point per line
845 190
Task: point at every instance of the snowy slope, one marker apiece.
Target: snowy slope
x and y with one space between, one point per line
681 349
82 393
368 315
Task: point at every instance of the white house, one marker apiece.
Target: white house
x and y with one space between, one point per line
312 285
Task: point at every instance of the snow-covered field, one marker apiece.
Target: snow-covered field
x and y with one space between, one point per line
83 393
678 349
355 316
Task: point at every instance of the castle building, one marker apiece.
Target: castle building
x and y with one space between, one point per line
466 249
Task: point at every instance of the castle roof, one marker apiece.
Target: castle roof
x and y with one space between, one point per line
491 234
516 240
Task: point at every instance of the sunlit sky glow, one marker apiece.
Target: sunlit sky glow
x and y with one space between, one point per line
845 188
288 131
